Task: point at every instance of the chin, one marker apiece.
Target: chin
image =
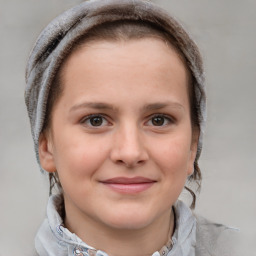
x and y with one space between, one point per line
128 224
129 220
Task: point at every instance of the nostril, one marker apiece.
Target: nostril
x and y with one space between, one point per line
120 162
130 164
141 161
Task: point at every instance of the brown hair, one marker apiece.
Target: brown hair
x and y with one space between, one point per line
124 31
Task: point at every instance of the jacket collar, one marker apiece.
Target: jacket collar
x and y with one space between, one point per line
54 239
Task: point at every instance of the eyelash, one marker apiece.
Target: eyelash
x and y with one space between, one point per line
90 117
167 119
103 118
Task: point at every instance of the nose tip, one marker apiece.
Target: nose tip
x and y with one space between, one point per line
129 156
129 150
130 161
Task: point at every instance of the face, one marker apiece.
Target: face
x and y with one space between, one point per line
121 136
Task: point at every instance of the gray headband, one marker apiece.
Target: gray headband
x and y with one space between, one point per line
58 37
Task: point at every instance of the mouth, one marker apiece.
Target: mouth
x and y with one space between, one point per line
129 185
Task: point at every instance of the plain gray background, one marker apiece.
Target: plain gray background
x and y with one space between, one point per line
225 31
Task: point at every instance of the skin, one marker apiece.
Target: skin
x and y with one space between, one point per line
125 84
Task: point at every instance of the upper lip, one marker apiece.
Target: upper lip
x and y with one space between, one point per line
126 180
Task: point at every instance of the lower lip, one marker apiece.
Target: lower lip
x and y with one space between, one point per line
129 188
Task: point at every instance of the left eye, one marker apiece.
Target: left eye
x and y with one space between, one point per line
95 121
159 120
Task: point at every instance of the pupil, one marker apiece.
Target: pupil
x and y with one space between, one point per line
96 121
158 121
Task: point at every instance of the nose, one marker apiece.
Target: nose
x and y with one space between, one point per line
128 147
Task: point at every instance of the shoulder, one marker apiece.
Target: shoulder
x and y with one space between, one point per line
214 239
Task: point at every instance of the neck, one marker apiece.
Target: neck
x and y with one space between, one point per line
119 242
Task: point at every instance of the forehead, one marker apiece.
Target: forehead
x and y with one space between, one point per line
110 68
149 51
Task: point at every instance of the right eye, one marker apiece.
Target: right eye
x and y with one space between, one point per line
95 121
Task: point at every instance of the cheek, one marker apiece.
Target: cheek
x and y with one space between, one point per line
77 159
171 158
172 155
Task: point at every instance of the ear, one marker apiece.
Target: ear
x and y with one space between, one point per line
45 149
193 151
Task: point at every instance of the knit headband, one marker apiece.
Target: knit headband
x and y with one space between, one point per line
57 38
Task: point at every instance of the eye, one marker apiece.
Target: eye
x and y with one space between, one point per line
95 121
159 120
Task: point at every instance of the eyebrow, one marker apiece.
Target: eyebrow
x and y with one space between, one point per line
161 105
94 105
106 106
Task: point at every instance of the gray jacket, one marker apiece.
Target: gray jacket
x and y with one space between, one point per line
193 236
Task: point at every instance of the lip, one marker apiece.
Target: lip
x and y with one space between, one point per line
127 185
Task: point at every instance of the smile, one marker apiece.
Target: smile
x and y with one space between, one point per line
129 185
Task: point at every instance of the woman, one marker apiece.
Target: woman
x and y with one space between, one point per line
115 95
